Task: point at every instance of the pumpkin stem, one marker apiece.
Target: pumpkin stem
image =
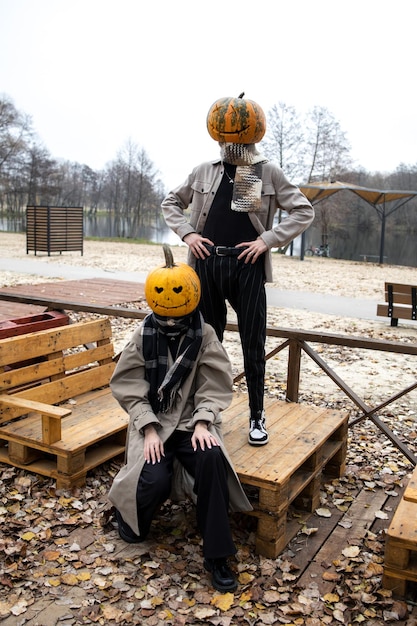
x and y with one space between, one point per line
241 95
169 259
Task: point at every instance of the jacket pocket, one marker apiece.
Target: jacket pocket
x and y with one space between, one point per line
201 191
268 192
200 187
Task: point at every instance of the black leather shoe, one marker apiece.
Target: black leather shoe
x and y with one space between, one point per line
222 576
125 532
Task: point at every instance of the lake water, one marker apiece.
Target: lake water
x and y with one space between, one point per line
102 226
399 249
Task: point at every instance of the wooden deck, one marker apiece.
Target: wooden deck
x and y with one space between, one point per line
90 291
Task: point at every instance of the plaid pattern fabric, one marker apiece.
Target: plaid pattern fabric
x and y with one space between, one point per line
164 383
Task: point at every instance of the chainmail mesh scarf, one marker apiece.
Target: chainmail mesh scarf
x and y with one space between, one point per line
247 188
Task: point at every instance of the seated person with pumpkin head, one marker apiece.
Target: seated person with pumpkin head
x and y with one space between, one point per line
174 378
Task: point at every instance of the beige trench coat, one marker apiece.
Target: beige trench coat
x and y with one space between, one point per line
206 392
197 194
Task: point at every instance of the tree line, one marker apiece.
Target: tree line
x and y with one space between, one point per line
128 187
309 148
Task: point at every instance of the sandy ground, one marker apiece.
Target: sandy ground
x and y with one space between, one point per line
371 374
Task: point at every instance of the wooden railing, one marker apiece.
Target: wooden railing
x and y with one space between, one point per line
297 342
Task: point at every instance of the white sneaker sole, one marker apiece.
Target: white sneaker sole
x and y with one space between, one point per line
257 442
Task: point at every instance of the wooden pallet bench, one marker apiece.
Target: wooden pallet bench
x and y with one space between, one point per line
305 442
57 415
400 303
400 562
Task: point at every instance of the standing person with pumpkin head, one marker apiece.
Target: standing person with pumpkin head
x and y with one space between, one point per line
173 379
230 232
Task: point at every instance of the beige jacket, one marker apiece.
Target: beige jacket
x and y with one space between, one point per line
197 193
206 392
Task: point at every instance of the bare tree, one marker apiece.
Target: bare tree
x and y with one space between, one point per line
131 190
327 154
284 140
327 148
15 132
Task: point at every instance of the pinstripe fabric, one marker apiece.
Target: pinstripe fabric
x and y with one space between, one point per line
243 286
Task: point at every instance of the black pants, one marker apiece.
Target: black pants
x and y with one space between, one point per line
209 470
243 285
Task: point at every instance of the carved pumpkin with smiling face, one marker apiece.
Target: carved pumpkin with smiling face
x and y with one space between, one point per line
172 290
235 120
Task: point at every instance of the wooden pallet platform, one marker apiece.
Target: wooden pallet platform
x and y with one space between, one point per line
305 442
400 566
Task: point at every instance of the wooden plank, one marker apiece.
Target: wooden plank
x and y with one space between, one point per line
410 492
63 388
398 290
400 299
47 466
403 528
39 371
285 421
40 343
305 444
360 516
30 405
400 312
236 431
85 425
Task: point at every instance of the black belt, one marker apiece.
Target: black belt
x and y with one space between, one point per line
224 250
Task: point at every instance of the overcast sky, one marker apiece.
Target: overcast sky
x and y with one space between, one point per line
93 74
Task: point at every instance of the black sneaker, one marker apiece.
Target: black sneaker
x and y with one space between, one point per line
125 532
258 435
222 576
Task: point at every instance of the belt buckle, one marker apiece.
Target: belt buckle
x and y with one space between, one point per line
217 250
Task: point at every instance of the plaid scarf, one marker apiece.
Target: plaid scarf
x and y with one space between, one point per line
158 331
247 188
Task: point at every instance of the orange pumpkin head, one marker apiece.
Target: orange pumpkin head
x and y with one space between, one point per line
235 120
172 290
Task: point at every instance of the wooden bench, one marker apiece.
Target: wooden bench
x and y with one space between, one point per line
57 415
305 442
375 258
400 303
